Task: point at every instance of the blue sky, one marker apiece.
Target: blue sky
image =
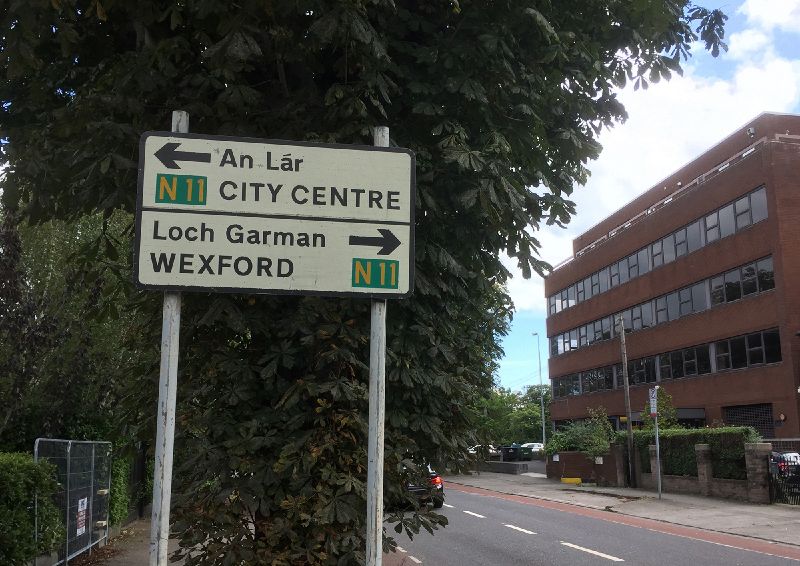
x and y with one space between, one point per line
759 73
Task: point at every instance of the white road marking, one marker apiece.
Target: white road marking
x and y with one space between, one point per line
474 514
415 560
401 549
448 506
590 551
526 531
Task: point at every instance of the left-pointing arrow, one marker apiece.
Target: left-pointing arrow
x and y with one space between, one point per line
387 240
169 155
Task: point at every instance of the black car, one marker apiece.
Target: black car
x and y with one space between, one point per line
784 464
431 493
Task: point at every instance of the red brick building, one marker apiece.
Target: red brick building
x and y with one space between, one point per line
705 270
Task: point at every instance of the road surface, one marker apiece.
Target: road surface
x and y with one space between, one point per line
488 528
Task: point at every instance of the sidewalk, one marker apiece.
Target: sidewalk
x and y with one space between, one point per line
775 523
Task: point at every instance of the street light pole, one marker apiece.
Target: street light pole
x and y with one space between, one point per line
624 355
541 386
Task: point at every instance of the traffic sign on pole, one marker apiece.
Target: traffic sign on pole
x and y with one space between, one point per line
218 213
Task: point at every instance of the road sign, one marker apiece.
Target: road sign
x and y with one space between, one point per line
653 401
246 215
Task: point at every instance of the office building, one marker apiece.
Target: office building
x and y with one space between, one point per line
704 270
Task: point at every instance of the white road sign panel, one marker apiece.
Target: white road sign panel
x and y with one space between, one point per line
263 216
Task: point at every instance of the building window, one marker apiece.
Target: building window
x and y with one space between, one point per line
699 298
766 274
757 416
727 222
661 310
643 261
733 286
642 371
741 209
712 227
724 222
685 301
614 270
656 251
668 248
681 245
694 236
723 355
772 346
758 205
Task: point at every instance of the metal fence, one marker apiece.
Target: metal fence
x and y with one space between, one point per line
84 488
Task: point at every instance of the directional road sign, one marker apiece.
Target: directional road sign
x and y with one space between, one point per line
249 215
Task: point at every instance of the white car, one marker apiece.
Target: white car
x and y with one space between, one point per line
491 450
534 446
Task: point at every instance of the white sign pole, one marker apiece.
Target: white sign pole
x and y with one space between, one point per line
377 412
167 394
654 414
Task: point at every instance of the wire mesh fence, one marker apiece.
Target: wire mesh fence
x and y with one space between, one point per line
83 496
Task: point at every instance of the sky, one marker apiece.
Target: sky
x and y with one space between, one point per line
668 125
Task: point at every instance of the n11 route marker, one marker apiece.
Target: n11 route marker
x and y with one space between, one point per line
217 213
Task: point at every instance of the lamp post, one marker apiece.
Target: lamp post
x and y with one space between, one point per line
541 386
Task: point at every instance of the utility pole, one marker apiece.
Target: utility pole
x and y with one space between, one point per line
624 353
541 387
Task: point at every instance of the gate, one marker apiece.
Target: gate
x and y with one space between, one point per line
84 487
784 471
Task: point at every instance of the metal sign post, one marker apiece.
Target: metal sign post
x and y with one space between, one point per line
654 414
377 412
167 395
244 215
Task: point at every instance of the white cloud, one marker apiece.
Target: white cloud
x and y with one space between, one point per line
771 14
750 43
669 124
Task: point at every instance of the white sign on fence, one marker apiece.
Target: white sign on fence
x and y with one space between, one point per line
218 213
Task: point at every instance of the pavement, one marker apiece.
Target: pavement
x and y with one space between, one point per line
773 523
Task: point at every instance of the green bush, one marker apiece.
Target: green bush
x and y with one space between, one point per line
593 436
21 480
678 455
120 503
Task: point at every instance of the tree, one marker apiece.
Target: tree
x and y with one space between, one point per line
60 359
501 104
667 413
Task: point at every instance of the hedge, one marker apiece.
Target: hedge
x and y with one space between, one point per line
21 479
678 455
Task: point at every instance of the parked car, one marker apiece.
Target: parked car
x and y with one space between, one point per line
534 446
784 464
488 451
515 452
431 493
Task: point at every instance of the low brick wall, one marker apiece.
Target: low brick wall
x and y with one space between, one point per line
754 489
505 467
577 465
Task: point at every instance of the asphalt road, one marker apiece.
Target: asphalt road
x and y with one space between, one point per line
506 530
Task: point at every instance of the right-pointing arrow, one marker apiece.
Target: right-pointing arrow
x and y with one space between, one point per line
387 240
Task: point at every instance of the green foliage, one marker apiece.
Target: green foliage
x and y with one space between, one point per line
504 416
61 357
21 480
120 503
678 454
501 103
592 436
667 413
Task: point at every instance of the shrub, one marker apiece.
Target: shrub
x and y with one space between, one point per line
120 502
21 480
678 455
593 437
